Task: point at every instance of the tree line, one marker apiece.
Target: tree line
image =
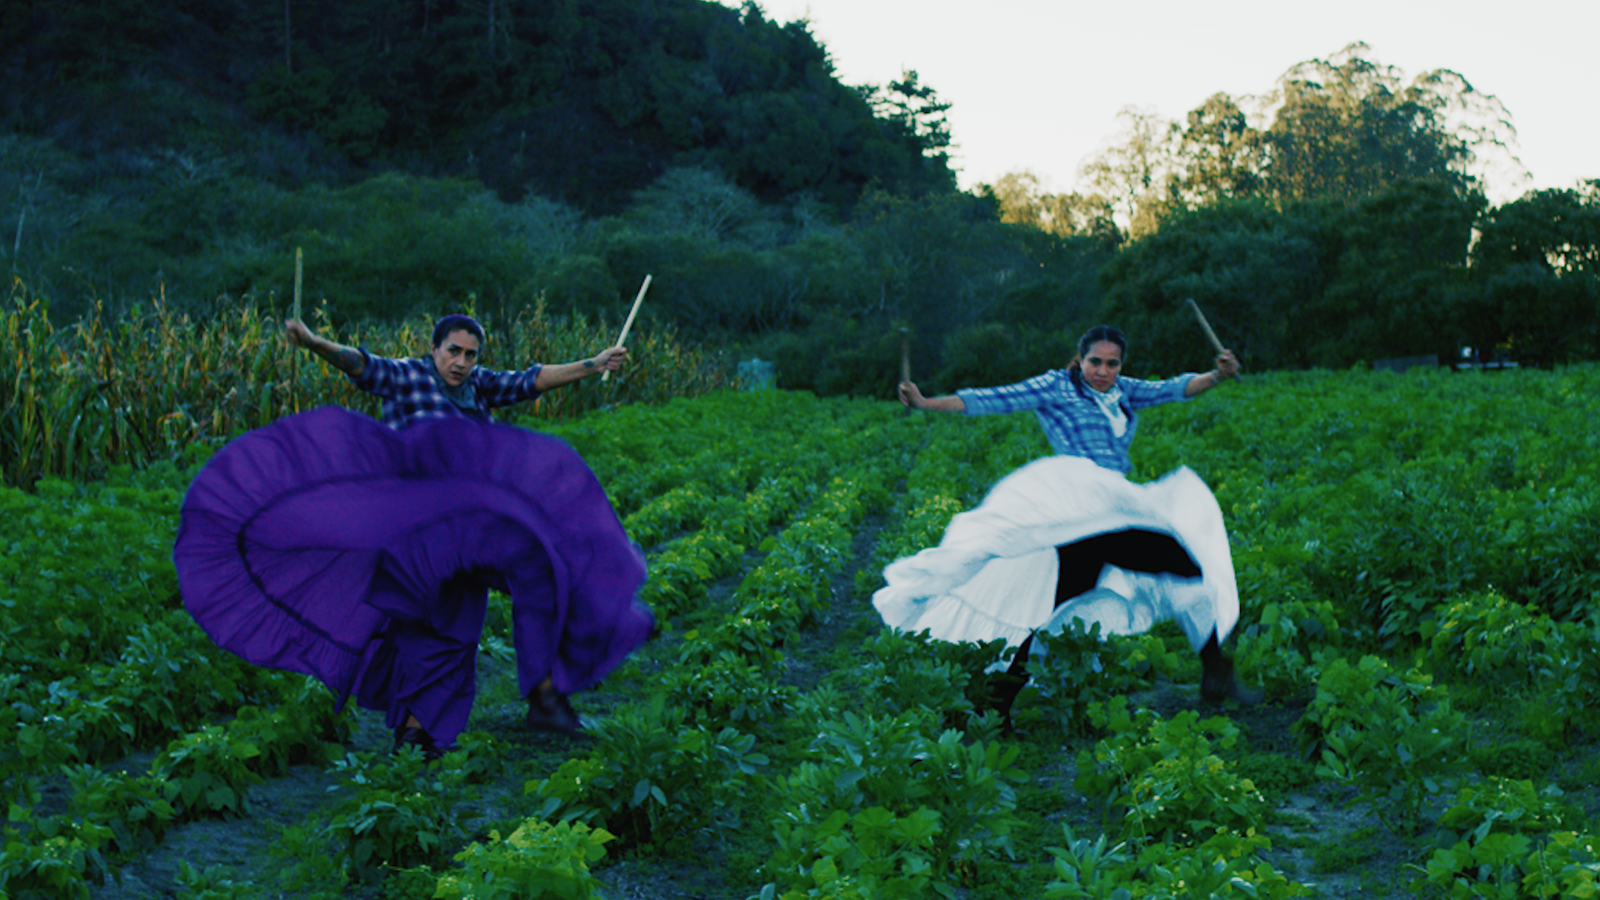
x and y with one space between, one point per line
581 101
1337 218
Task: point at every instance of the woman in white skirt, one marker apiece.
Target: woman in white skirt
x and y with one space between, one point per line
1069 537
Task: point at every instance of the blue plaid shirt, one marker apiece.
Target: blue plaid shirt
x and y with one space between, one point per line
412 389
1073 422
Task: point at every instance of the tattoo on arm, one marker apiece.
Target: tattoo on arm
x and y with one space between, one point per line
349 360
588 363
346 359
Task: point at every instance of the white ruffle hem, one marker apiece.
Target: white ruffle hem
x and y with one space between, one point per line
994 573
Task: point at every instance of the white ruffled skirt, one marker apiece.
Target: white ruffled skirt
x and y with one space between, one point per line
994 573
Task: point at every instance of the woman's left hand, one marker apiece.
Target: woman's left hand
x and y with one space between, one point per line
610 359
1227 365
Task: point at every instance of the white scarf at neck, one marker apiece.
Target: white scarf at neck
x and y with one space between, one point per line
1111 404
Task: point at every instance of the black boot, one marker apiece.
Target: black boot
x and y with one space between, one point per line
1218 682
1003 690
1005 686
415 736
549 710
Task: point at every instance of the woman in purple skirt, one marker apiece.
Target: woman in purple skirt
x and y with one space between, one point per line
329 544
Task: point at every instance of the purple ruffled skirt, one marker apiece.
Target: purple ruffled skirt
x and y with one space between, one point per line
329 544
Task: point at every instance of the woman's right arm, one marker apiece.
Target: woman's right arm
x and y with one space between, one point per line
910 396
348 360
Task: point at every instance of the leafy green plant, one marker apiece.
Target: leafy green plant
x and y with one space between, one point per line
1567 865
1225 865
212 771
1513 866
1088 870
303 728
478 758
1164 776
1075 669
210 883
650 777
1499 645
870 762
1394 735
905 672
872 853
1278 645
393 813
1504 804
538 860
727 690
54 859
137 810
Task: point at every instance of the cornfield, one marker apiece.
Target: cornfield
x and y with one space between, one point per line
147 384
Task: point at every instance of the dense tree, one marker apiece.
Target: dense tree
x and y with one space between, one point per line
1348 127
1221 154
1253 269
917 110
1138 173
1345 127
1320 283
1024 201
1398 284
1539 257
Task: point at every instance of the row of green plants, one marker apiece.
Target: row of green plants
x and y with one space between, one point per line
111 816
683 761
1453 710
1177 820
917 795
100 657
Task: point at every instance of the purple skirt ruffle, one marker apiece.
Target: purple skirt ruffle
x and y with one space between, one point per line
329 544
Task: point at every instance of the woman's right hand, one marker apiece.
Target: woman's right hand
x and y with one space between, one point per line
909 395
297 333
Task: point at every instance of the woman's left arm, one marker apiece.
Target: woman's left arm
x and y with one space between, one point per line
554 376
1227 367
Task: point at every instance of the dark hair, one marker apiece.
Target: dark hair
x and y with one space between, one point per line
1101 333
456 322
1091 337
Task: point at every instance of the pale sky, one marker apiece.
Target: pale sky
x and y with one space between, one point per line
1037 84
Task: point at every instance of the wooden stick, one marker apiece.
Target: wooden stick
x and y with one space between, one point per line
905 354
629 323
294 313
1205 326
1210 335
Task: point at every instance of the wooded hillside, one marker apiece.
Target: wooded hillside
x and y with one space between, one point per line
582 102
432 155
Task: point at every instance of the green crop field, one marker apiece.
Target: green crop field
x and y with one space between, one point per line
1419 563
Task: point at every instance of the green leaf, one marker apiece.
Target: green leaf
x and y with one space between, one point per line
848 777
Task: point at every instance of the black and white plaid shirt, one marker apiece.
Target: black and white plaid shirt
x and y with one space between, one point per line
411 389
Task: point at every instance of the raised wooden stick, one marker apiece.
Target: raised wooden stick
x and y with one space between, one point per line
1204 325
629 323
1210 335
294 313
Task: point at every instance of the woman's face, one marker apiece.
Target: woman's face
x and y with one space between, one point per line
1102 365
455 356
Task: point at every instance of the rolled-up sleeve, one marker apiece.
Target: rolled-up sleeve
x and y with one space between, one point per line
508 388
1141 394
1024 395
